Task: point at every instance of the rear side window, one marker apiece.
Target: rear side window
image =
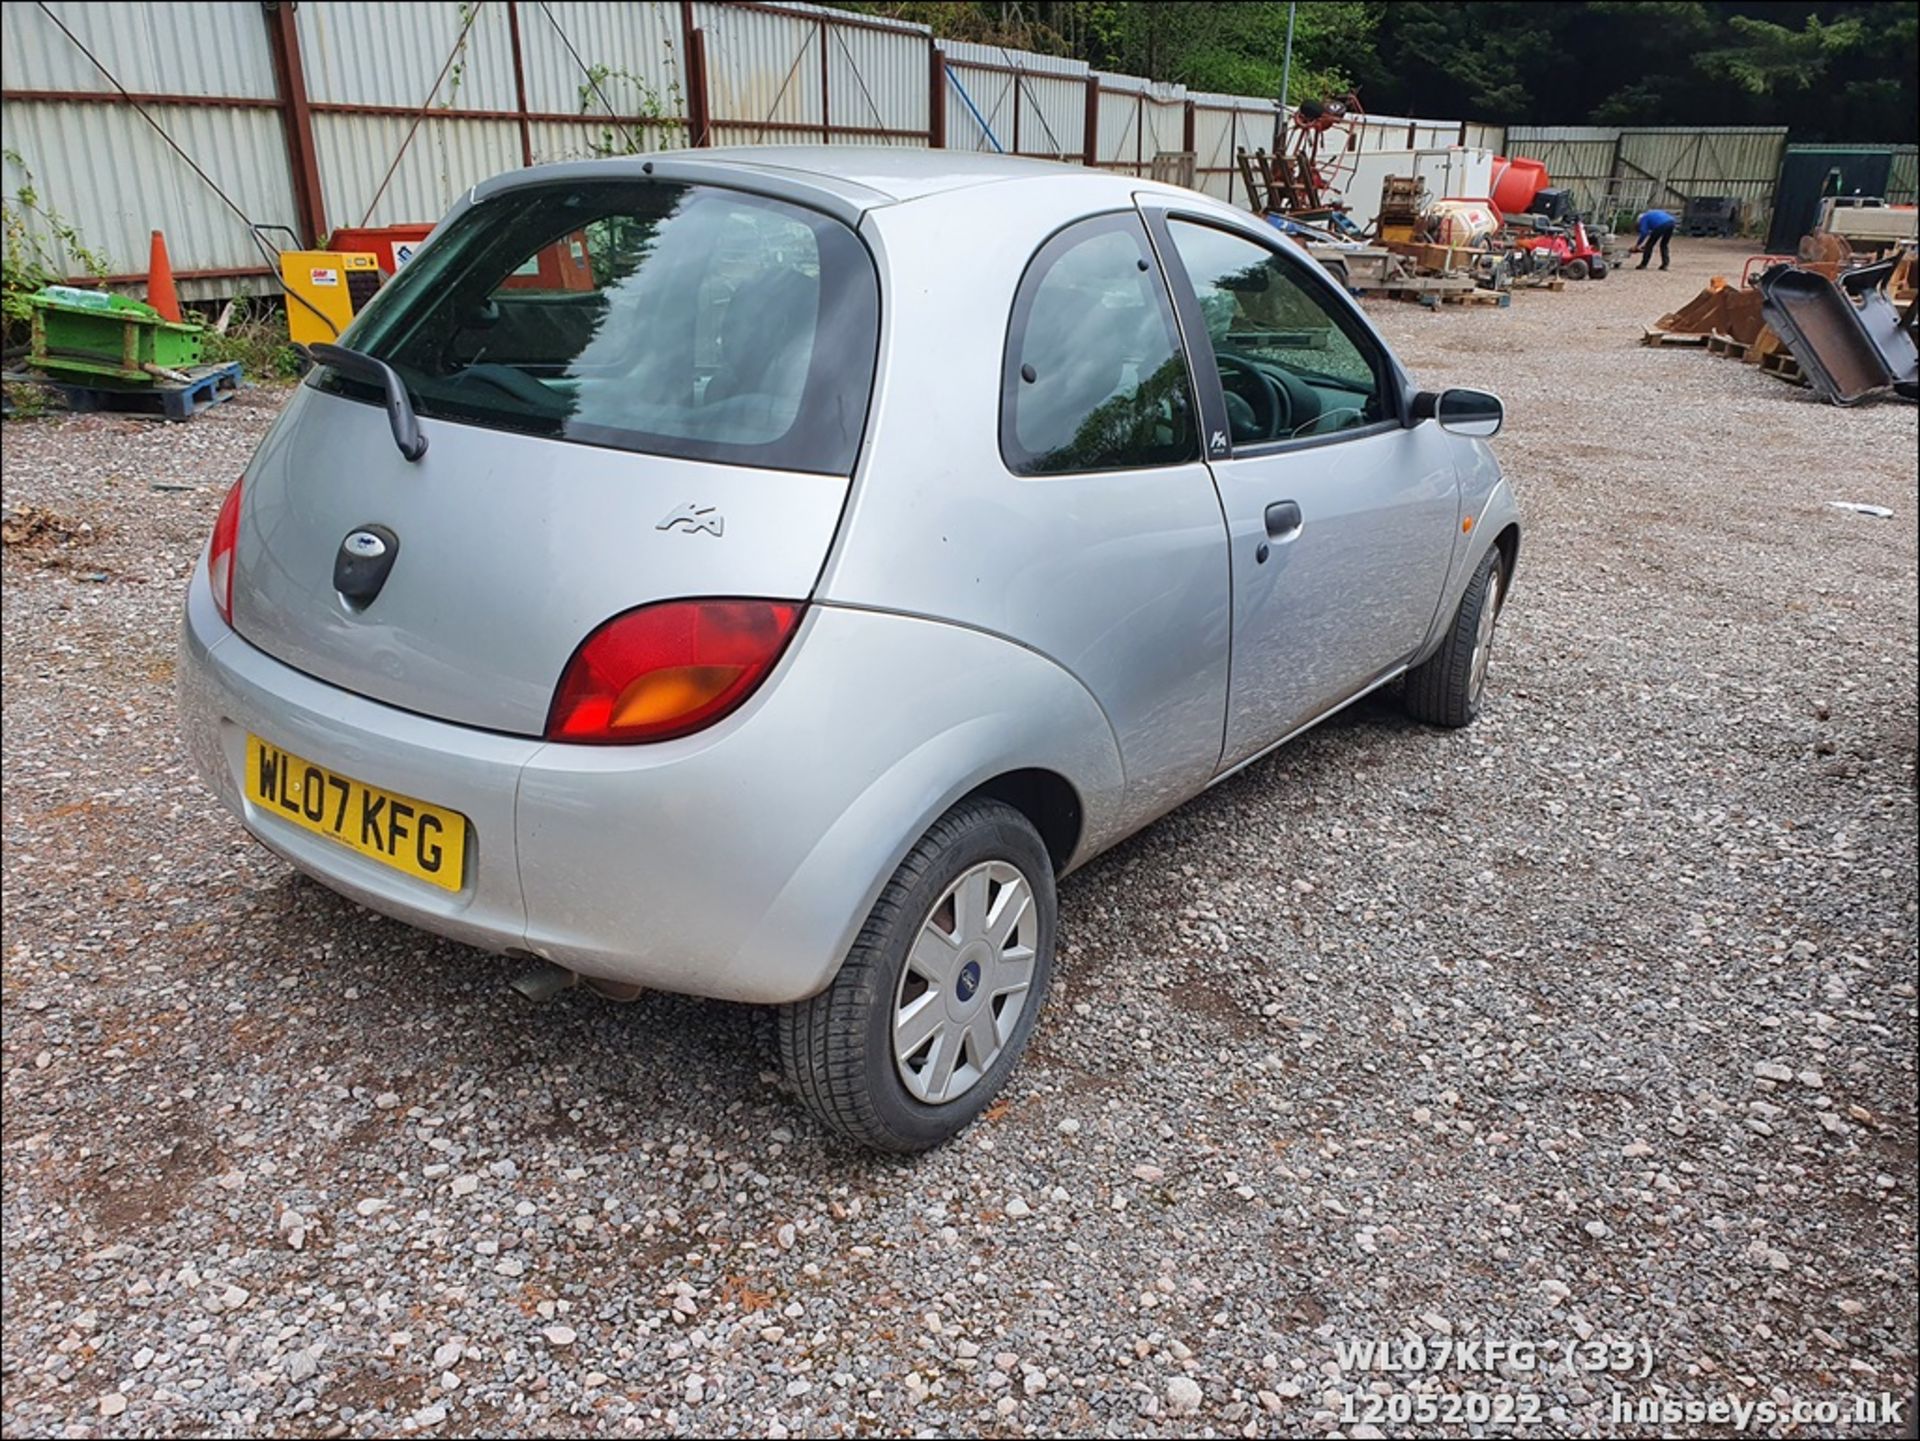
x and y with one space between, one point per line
1095 378
680 320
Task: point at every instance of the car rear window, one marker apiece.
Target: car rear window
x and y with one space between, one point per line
682 320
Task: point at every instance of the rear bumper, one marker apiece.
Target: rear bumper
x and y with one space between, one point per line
737 863
228 689
662 869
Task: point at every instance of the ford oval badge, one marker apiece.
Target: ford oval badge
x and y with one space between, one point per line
363 562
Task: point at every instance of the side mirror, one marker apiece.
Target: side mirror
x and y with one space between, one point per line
1461 411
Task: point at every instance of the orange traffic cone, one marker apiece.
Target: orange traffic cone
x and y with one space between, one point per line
160 292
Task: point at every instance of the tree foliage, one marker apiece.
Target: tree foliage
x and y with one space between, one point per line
1765 57
1837 70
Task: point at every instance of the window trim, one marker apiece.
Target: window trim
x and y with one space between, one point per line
1126 220
1187 306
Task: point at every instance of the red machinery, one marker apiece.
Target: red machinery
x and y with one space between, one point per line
1323 150
1567 249
1305 180
1325 168
1544 230
1308 179
563 265
391 246
1516 182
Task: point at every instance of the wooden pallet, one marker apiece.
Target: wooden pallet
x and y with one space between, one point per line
1654 336
1718 344
1905 280
1433 298
1766 343
1782 364
1431 282
206 386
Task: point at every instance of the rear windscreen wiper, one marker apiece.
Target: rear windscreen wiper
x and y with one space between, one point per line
361 366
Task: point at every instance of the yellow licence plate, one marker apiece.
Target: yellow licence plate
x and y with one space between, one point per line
425 841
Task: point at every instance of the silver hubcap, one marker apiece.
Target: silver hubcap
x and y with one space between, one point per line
1483 635
965 982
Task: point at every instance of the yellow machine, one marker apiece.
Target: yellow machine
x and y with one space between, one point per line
1403 200
335 283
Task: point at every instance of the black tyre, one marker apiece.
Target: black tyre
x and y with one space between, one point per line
1446 688
1574 270
1338 270
933 1006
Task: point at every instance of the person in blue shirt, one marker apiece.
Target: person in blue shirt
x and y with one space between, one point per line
1656 228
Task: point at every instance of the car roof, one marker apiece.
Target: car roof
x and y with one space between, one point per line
844 180
896 172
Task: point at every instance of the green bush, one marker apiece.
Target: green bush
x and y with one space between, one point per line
30 261
256 337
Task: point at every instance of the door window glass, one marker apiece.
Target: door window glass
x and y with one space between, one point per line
1095 378
1291 363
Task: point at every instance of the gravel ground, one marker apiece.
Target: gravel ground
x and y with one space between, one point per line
1595 1021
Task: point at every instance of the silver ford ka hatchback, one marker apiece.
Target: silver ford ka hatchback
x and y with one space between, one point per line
764 573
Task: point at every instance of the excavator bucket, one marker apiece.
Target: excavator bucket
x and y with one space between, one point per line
1720 309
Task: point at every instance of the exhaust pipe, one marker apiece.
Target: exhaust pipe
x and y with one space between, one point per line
550 980
544 984
621 991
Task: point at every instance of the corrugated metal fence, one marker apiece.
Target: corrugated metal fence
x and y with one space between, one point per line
1011 102
350 112
797 73
1223 126
1138 119
1903 182
1659 166
93 160
1402 132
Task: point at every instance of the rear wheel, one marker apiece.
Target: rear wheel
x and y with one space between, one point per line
931 1010
1446 689
1574 270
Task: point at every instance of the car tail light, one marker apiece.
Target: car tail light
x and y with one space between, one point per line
669 669
226 530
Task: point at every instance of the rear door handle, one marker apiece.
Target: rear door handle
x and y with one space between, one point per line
1283 519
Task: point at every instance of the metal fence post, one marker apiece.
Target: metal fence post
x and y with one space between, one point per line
1090 140
699 116
303 162
936 96
826 120
519 83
